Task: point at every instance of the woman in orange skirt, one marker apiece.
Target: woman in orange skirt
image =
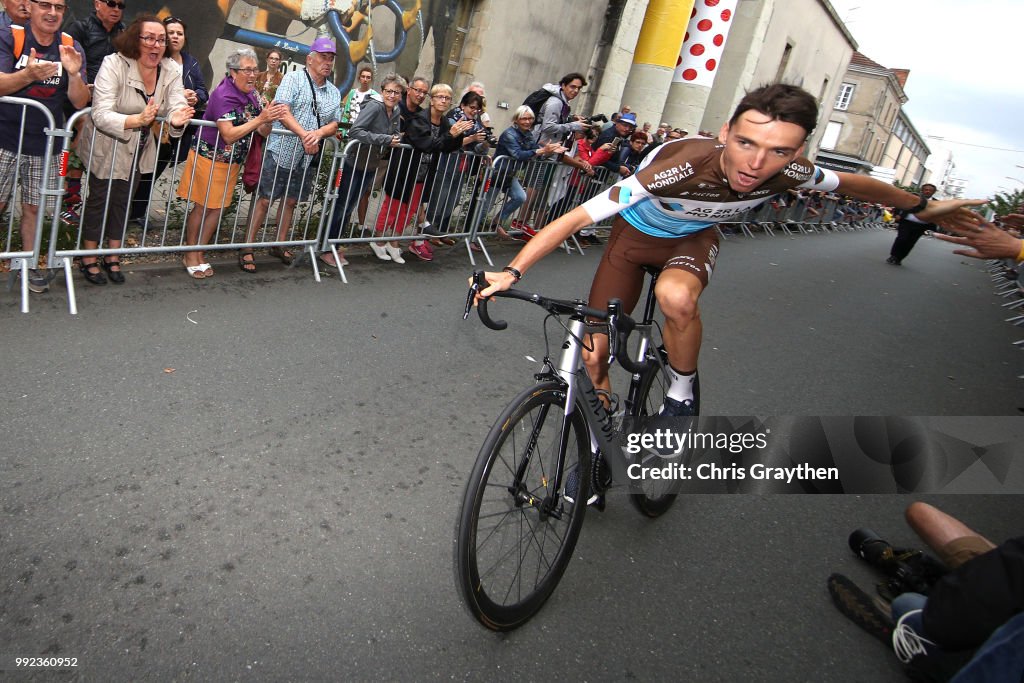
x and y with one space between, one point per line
213 165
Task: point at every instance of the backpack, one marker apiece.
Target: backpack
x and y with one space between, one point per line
536 101
18 34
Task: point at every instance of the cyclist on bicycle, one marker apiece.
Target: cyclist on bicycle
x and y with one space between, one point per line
667 209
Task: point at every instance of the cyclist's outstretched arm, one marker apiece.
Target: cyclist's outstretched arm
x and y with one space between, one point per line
543 243
871 190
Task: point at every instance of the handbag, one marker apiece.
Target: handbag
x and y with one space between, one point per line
314 163
253 163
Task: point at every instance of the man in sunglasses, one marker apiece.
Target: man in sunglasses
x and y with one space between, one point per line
97 31
14 12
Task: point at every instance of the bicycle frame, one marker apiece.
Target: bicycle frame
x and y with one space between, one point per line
580 389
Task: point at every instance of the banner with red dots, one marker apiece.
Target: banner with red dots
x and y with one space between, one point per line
704 41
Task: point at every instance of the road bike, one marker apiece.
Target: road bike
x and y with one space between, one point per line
516 529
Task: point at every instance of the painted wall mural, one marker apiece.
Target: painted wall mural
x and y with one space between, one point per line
390 34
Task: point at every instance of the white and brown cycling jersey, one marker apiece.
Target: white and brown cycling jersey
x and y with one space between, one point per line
680 189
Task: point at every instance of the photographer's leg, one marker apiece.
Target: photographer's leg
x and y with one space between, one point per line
952 540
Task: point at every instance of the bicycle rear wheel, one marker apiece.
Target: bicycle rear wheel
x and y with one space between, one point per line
656 495
515 534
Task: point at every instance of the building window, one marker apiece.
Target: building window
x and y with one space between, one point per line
830 138
844 97
784 62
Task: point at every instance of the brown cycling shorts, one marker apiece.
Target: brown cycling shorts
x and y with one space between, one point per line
620 273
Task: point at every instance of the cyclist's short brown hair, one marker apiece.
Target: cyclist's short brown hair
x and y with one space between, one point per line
782 102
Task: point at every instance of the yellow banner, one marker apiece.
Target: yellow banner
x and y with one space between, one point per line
662 32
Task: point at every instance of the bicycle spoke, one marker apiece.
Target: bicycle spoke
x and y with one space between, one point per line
512 550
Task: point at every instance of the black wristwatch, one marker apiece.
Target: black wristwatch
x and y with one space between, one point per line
514 272
921 205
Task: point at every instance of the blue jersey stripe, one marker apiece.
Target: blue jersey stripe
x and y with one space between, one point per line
646 218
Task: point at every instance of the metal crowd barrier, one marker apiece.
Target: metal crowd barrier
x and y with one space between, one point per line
390 195
358 194
162 229
25 257
384 195
551 189
800 214
1008 279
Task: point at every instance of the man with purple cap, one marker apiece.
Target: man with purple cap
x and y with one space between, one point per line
314 110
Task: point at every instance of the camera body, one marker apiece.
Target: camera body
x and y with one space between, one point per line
907 570
489 137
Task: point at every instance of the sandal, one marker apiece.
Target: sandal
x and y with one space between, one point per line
96 276
247 266
207 269
286 256
197 272
115 276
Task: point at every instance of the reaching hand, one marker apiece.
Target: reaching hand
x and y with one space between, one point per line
41 70
147 115
273 112
1013 220
311 139
70 59
984 240
179 118
946 207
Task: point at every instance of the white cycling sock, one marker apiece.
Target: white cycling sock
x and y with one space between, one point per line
681 388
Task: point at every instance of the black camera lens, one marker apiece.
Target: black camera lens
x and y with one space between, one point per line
869 545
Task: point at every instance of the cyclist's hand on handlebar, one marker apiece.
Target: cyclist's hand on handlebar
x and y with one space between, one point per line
498 282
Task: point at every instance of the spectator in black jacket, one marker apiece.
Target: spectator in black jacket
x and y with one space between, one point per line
632 154
619 135
96 33
14 12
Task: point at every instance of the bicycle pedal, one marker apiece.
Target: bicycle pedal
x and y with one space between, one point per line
610 400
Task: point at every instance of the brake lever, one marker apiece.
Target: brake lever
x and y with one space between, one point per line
471 295
614 306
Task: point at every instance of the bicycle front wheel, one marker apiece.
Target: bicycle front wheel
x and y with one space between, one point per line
515 533
656 495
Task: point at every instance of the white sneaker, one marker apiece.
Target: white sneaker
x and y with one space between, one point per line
380 252
907 642
395 254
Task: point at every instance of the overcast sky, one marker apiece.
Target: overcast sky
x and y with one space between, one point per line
966 78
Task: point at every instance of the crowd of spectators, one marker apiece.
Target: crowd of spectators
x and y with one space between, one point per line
420 148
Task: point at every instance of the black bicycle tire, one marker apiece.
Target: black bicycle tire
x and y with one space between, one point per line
654 506
483 607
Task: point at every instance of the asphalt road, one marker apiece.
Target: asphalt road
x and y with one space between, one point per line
281 505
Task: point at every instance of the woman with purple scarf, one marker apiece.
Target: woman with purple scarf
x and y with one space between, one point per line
213 165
